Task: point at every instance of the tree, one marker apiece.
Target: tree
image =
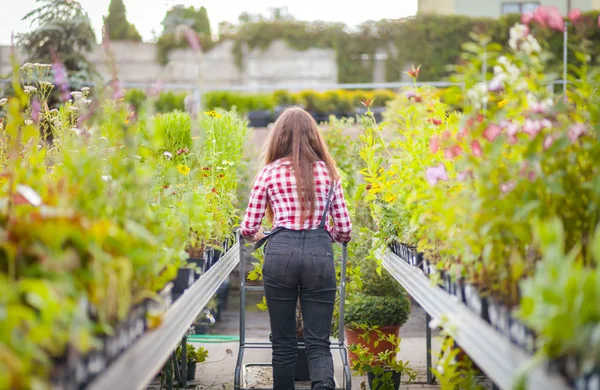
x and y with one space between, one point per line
196 19
62 33
117 25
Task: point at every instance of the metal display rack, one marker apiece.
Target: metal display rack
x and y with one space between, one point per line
501 360
138 365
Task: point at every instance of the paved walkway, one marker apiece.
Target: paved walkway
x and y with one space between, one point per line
217 372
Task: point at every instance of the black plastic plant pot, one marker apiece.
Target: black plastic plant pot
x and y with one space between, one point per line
474 300
59 373
137 321
208 258
78 368
260 118
183 281
521 335
198 266
166 295
320 117
498 314
191 371
110 347
96 363
592 380
123 336
396 378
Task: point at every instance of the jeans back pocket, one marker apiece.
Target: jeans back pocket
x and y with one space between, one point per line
323 264
276 262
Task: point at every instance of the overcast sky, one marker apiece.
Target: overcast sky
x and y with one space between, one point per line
148 14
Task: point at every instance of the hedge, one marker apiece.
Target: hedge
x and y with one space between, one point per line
339 101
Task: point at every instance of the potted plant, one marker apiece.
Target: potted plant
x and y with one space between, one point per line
383 369
381 306
193 357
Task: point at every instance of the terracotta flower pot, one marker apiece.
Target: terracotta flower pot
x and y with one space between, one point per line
353 337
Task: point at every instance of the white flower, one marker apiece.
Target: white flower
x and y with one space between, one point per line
434 324
46 84
29 89
478 95
3 101
85 89
106 178
168 155
28 122
77 95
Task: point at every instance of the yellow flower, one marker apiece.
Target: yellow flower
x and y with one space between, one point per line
213 113
390 198
183 169
502 103
376 188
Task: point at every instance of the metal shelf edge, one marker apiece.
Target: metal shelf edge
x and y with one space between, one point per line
138 365
490 350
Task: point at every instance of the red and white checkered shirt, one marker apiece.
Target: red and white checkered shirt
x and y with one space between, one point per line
276 184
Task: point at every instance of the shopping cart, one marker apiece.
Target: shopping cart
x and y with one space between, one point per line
243 377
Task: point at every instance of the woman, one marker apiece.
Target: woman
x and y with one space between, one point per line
298 189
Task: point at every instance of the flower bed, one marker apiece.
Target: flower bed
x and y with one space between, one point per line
499 204
99 213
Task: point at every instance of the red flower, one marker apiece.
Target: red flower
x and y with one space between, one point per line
452 152
434 144
368 187
492 132
476 148
414 72
435 121
221 176
575 15
419 99
214 190
183 151
167 186
367 102
480 118
206 169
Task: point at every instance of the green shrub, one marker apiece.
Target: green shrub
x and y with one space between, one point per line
284 98
169 101
382 97
377 310
136 99
172 131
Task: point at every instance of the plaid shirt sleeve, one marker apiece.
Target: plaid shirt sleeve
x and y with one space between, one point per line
257 205
342 226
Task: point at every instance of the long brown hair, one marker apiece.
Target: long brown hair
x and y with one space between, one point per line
295 136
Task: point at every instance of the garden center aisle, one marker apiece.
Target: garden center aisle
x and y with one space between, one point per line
218 374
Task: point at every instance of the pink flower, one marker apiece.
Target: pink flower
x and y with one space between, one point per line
446 135
36 107
434 144
534 126
598 20
452 152
575 15
411 95
492 132
476 148
526 172
462 176
527 17
508 186
61 79
548 141
540 16
118 92
555 20
435 174
512 129
576 131
193 39
435 121
156 88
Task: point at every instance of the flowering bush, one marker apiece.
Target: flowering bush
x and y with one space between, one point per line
96 209
469 189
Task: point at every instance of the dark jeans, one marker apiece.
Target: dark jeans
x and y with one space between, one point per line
300 263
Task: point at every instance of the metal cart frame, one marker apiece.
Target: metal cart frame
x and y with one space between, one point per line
339 345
